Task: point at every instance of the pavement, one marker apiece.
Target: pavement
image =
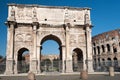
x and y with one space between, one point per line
64 77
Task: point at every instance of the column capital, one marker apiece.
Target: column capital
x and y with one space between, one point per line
35 23
39 45
88 25
63 46
8 23
67 26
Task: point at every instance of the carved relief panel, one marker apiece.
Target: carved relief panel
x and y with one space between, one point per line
75 16
23 40
21 37
81 39
73 40
23 13
20 13
28 13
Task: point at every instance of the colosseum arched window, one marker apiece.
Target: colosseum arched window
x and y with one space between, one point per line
94 44
115 62
108 47
98 48
103 48
109 62
94 51
114 48
99 61
95 61
119 44
103 61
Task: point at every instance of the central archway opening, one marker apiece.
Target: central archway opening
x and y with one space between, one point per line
77 60
23 60
51 55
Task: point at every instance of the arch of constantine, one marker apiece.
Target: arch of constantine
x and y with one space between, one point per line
29 26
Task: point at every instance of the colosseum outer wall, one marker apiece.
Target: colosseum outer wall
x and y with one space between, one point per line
106 47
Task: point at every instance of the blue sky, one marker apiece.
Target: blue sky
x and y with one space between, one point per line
105 16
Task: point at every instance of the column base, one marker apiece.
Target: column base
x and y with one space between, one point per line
90 66
38 71
69 67
9 67
33 66
63 66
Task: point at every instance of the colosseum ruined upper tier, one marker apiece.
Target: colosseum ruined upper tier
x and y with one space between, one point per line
106 48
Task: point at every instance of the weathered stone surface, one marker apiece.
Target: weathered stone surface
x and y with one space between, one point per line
32 25
106 48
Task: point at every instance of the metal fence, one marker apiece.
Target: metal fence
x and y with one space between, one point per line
77 66
104 66
56 66
22 66
51 66
2 67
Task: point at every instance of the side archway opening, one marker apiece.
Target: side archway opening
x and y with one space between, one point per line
77 57
23 60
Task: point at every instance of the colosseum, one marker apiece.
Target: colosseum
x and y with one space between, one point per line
106 50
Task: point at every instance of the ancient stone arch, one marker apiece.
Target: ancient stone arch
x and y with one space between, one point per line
77 57
30 25
20 63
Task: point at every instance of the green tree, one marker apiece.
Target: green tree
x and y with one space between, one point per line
1 57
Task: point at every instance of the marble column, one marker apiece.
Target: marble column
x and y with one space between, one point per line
89 48
96 50
38 59
34 63
39 47
118 50
84 62
111 49
63 58
10 49
105 49
15 65
118 47
69 67
101 51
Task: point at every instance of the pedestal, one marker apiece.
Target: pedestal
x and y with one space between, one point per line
9 67
33 66
111 71
69 67
90 66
